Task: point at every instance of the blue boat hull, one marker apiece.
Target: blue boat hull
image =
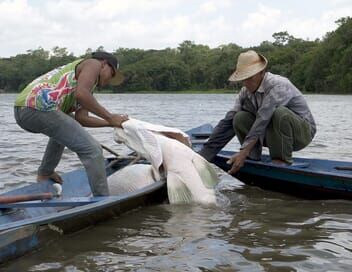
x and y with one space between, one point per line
18 241
308 178
23 229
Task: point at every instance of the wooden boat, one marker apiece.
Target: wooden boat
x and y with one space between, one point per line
308 178
26 225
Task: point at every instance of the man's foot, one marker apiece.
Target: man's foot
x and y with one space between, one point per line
54 177
280 162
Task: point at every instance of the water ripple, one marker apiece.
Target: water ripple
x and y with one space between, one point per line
257 231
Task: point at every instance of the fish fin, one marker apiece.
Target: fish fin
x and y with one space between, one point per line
206 172
177 191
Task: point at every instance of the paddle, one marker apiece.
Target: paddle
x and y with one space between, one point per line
20 198
119 157
110 150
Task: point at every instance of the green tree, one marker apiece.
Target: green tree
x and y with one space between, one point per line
282 38
330 69
320 66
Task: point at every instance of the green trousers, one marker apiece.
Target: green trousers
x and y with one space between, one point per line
286 132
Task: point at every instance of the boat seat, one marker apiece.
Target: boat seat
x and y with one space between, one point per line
200 135
199 141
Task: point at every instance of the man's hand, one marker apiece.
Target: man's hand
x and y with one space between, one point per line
237 162
116 120
238 159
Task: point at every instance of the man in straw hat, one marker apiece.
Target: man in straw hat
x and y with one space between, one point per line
269 110
46 105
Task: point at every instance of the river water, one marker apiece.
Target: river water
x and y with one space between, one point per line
259 231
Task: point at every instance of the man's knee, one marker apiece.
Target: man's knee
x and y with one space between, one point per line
242 121
281 119
279 113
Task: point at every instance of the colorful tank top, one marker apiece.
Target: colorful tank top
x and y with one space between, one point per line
52 91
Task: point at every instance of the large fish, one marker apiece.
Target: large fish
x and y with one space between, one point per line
189 177
130 179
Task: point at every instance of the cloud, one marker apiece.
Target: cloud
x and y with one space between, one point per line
265 21
81 24
208 7
264 17
260 25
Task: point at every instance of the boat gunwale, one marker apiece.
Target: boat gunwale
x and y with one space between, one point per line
307 171
81 210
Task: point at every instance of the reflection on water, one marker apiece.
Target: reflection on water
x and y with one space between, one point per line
272 233
259 231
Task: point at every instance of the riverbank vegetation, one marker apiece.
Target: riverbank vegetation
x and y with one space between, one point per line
320 66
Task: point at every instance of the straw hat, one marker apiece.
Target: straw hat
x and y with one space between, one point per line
248 64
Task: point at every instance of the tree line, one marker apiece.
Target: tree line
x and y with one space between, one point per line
320 66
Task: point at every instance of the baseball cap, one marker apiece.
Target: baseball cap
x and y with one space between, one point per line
113 62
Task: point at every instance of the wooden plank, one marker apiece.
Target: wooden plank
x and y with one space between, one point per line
24 197
200 141
201 135
349 168
64 202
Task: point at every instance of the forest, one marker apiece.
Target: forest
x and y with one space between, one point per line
320 66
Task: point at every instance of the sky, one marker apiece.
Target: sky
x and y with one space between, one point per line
157 24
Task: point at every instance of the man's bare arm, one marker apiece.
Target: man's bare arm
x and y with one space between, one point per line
88 73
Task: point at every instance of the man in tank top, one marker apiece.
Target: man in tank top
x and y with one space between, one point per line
58 104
